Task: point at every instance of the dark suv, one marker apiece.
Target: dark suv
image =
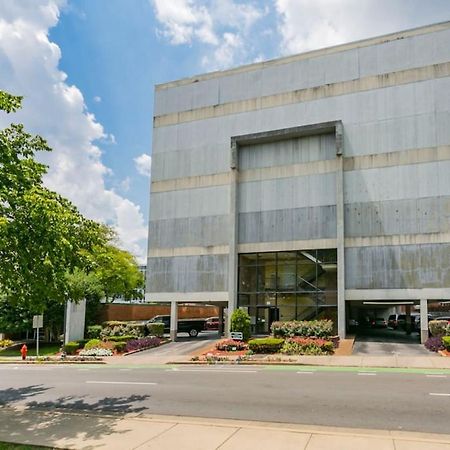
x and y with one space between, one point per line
190 326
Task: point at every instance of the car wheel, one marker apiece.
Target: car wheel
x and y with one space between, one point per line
193 332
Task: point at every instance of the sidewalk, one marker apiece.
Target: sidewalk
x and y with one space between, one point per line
91 431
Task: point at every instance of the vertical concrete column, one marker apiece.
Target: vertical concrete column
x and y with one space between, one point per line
173 320
233 256
220 330
340 232
408 323
423 320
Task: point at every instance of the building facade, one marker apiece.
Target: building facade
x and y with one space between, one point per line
303 186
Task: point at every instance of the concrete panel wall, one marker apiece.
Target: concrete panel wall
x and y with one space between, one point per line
189 231
288 225
410 52
398 267
205 273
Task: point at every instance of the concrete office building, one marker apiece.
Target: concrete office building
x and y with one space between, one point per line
309 185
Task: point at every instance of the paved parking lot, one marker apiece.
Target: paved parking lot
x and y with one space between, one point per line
384 341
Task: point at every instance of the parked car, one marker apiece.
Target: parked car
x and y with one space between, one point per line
353 323
190 326
398 321
378 322
393 321
212 323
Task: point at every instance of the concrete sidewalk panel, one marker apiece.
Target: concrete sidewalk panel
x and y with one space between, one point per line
408 445
328 442
190 437
251 439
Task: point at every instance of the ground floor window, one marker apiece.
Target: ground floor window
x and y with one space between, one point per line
294 285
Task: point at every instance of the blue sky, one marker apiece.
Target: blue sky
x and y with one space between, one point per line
88 68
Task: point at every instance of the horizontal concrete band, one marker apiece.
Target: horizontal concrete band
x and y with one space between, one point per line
398 294
368 83
187 296
307 55
364 162
373 241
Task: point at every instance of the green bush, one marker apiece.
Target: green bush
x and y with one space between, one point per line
120 338
265 345
93 331
119 347
93 343
240 322
438 327
304 328
114 328
307 346
156 329
446 342
71 347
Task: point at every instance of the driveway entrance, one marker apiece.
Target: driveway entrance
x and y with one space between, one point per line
387 342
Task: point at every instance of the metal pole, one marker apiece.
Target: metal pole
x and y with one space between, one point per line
37 342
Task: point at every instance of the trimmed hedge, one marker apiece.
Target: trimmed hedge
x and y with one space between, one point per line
120 338
119 347
156 329
305 328
446 342
71 347
93 331
115 328
93 343
438 327
265 345
307 346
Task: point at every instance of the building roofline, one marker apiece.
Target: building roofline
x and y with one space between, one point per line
309 54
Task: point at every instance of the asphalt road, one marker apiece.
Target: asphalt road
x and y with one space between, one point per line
338 397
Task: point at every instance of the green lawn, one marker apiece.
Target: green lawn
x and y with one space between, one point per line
44 350
8 446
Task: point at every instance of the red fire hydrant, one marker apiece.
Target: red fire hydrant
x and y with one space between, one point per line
24 351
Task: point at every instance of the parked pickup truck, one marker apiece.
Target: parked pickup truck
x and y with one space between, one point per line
190 326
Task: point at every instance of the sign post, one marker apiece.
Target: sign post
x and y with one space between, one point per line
38 322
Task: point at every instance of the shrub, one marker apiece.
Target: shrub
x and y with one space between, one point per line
231 345
156 329
93 331
119 347
265 345
446 342
5 343
71 347
140 344
434 344
240 322
93 343
306 328
114 328
438 327
96 352
120 338
307 346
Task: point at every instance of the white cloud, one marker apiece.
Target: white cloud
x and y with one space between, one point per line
143 164
306 25
97 99
29 66
222 25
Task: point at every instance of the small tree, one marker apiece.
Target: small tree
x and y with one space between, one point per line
240 322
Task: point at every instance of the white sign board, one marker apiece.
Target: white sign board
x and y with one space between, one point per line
237 335
38 321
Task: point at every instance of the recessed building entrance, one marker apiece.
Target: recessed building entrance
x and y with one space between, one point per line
292 285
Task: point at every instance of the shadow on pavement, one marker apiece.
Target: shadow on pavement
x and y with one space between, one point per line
61 422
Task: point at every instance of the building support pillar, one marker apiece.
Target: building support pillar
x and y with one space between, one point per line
423 320
173 320
408 321
233 256
340 233
220 329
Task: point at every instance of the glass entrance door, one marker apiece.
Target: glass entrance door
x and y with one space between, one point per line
265 315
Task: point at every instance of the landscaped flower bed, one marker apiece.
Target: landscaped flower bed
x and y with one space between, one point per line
143 344
231 345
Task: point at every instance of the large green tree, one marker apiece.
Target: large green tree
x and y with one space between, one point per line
42 235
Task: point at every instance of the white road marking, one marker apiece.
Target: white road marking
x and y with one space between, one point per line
119 382
436 376
367 373
83 370
217 370
440 394
124 370
305 372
